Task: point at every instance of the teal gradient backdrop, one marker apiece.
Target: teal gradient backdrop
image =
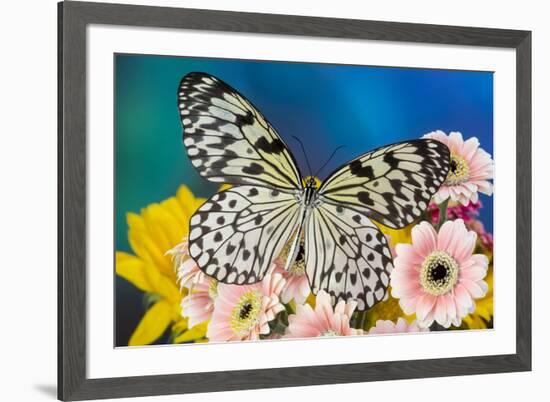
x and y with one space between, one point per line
324 105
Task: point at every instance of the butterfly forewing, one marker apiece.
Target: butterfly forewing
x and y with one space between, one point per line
228 140
392 185
346 255
236 234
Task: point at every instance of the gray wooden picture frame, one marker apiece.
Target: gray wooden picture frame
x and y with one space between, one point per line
73 18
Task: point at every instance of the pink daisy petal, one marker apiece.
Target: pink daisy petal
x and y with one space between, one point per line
407 290
462 296
475 290
475 273
296 285
441 311
449 235
389 327
424 238
408 305
469 148
323 320
463 250
425 305
451 305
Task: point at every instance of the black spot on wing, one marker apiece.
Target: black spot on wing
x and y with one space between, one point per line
274 147
357 168
246 120
364 198
253 169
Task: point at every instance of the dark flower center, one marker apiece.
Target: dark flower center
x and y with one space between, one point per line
439 273
454 166
300 255
459 171
245 310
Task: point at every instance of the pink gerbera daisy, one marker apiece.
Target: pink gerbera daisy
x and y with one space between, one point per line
198 305
324 320
187 270
438 276
243 312
296 282
401 326
199 302
470 172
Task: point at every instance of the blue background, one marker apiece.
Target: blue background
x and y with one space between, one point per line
324 105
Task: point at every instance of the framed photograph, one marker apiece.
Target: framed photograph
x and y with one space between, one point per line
255 201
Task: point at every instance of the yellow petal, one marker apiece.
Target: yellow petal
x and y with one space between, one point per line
159 228
172 206
196 333
158 221
187 201
133 270
136 230
152 325
146 277
180 325
163 285
178 224
164 231
146 247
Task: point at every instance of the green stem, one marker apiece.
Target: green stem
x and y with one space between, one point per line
363 319
289 309
442 213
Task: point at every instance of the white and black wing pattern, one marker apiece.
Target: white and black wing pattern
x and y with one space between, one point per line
228 140
393 184
237 233
346 255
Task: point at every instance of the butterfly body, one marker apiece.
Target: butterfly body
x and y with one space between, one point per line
237 234
308 199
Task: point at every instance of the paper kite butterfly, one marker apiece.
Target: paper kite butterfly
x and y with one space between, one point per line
237 233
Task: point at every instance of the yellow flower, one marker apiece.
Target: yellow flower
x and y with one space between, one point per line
157 229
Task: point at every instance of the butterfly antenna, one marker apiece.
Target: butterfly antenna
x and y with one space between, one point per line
304 152
329 159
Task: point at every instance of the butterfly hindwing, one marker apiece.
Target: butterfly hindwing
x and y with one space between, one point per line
393 184
346 255
237 233
228 140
